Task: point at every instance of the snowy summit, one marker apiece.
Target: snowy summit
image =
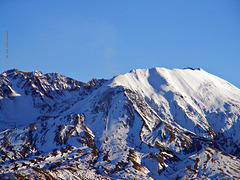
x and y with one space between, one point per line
146 124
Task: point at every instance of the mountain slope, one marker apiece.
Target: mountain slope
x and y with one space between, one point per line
148 123
25 96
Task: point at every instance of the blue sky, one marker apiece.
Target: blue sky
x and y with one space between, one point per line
83 39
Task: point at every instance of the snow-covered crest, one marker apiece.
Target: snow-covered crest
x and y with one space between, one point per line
142 125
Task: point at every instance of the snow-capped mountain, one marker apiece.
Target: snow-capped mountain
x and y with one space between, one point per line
146 124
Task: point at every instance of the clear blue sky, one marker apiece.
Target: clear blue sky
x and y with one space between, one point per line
83 39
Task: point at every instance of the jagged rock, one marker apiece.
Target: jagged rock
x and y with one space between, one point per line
149 123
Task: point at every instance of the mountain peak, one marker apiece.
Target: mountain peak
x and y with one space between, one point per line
146 124
191 68
11 71
36 73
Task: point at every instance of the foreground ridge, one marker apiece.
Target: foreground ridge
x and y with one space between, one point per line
146 124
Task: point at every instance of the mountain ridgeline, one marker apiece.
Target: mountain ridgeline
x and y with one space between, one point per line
146 124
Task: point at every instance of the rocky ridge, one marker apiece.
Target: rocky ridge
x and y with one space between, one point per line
146 124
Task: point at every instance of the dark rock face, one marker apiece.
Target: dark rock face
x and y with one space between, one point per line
141 125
